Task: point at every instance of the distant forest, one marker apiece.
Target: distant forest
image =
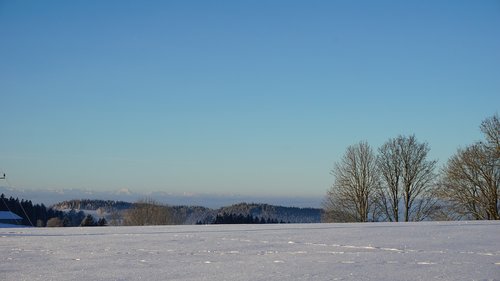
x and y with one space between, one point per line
87 212
226 218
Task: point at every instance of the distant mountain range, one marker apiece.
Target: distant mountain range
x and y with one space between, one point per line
53 196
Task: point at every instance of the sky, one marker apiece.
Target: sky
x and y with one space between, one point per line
235 97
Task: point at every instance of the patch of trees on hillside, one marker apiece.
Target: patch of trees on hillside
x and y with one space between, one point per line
227 218
192 214
88 204
278 213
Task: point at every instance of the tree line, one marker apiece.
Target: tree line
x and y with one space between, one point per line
39 215
151 212
398 182
230 218
31 214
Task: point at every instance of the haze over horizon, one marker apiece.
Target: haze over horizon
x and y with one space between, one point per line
49 197
257 98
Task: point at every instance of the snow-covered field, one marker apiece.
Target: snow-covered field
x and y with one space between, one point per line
371 251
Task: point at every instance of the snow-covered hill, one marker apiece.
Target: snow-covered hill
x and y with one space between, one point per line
370 251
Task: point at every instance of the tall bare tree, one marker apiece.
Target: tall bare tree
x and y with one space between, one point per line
351 196
408 180
471 178
389 193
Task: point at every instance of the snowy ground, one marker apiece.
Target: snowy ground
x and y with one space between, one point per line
380 251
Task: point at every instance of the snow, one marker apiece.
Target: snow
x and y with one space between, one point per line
9 225
370 251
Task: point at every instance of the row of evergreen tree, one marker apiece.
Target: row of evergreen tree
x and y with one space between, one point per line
229 218
36 215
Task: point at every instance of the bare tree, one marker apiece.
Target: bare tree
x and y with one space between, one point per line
491 130
389 193
54 222
115 217
408 180
351 196
471 178
148 212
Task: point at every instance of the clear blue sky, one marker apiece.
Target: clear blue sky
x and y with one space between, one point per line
246 97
